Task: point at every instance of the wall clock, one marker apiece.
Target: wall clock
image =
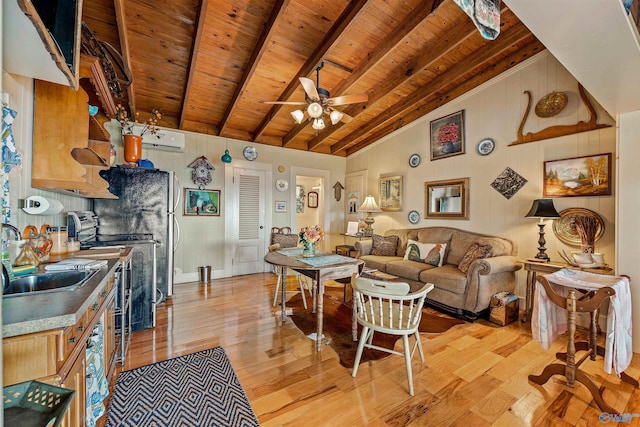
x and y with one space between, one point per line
282 184
414 160
486 146
201 174
250 153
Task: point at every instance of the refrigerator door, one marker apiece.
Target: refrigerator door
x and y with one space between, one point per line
144 205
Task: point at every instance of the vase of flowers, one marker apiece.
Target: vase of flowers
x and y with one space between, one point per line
308 237
132 137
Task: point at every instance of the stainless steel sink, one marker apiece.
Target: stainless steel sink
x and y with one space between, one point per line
47 282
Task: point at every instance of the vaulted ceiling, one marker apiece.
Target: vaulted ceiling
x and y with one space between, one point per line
208 64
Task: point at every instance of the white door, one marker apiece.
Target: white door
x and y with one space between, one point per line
249 221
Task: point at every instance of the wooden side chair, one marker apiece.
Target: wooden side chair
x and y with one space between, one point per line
390 308
282 238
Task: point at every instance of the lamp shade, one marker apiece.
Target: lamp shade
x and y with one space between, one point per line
298 115
369 205
542 208
315 110
335 116
318 124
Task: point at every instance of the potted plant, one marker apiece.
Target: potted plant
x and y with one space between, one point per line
131 141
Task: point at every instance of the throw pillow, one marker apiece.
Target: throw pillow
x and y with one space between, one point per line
475 251
384 246
428 253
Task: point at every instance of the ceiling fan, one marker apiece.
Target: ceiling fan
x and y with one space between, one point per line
319 102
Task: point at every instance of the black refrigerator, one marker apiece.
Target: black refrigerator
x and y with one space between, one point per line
145 209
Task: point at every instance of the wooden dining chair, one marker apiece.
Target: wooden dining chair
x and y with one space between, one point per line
388 307
282 238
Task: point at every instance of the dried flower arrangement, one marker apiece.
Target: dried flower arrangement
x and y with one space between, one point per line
149 126
586 227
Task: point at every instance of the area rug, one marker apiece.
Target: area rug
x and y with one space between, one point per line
337 326
198 389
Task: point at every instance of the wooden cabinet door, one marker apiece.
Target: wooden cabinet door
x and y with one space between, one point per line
75 380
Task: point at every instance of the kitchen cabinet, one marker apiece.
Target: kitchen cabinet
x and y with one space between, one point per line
58 356
71 147
45 39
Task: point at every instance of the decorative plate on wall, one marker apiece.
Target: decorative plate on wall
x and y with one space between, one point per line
565 228
250 153
414 217
486 146
551 104
282 184
414 160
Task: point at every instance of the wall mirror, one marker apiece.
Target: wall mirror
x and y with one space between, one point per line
447 199
312 199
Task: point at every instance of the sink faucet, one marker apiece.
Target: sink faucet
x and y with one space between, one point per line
16 232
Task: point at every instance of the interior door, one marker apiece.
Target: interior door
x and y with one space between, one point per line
249 221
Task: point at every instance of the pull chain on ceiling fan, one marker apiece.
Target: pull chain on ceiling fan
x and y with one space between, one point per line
319 102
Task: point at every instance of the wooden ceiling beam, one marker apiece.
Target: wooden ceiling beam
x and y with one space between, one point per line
427 58
344 22
413 19
195 48
438 100
121 23
476 59
277 14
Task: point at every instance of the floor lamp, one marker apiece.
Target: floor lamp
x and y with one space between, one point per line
369 206
542 209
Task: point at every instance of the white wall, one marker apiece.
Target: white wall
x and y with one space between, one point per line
495 110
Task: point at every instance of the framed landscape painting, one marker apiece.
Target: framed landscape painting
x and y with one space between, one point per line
578 176
447 136
391 193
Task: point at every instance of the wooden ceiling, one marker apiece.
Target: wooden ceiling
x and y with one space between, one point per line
208 64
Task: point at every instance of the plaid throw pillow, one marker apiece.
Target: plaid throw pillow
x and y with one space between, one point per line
475 251
384 246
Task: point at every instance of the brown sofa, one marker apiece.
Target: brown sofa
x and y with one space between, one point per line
465 294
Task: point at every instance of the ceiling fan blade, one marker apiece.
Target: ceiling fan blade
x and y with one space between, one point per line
284 102
348 99
346 118
310 88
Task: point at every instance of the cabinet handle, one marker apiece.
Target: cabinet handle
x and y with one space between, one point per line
72 339
80 328
104 293
95 306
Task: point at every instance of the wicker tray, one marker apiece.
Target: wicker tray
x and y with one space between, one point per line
33 403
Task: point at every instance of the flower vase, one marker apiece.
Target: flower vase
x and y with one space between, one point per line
132 148
308 249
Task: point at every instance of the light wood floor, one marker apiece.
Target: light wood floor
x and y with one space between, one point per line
474 375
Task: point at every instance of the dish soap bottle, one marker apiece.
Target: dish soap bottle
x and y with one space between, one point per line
6 260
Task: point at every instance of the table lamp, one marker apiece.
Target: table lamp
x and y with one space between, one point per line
369 206
542 209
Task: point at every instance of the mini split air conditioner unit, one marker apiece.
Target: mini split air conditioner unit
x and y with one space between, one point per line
165 139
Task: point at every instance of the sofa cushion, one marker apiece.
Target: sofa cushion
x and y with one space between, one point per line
378 262
384 246
428 253
446 277
460 243
475 251
406 269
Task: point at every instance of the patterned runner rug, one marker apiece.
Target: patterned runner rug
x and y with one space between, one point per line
198 389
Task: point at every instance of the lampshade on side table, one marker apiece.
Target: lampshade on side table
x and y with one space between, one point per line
369 206
542 209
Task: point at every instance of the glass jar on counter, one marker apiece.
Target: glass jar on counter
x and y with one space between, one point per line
73 245
58 236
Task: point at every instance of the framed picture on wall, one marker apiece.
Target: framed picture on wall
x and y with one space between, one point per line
300 199
201 202
578 176
281 206
447 136
312 199
391 193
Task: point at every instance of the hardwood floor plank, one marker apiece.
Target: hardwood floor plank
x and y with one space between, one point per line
475 374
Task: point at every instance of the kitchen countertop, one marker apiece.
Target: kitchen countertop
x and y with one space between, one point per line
37 312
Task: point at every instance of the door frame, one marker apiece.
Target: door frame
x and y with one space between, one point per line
294 171
229 198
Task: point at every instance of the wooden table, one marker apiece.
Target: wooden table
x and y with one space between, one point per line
533 267
319 275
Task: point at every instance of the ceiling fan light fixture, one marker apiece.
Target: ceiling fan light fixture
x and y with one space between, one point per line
298 115
318 124
335 116
315 110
